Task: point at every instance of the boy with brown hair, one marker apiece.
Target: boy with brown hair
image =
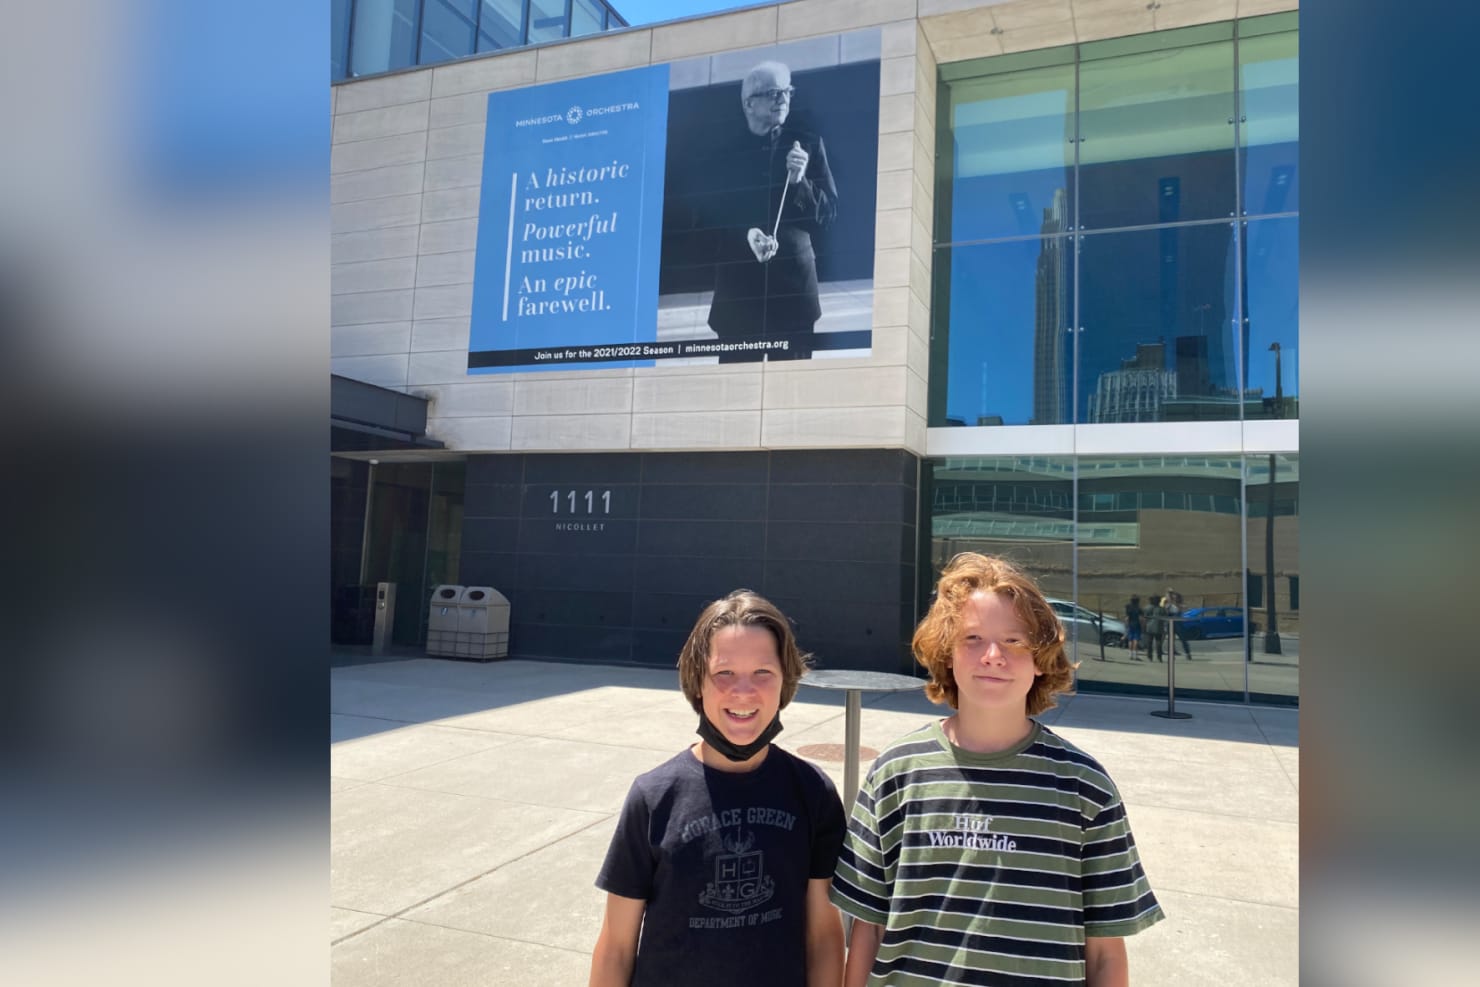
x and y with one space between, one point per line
984 848
718 872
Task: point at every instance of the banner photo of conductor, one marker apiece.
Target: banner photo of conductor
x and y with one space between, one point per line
713 210
769 201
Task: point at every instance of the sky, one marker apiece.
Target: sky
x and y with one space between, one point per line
652 11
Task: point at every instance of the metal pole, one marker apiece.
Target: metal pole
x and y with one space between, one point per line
1271 619
366 530
1271 630
1170 713
851 720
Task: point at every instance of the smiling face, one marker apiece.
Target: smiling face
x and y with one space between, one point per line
742 686
993 658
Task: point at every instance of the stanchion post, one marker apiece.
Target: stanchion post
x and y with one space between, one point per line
851 741
1170 713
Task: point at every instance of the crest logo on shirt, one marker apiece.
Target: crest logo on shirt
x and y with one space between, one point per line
740 879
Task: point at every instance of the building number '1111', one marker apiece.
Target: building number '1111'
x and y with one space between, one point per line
590 498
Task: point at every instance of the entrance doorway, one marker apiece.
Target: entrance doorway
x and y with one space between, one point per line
397 522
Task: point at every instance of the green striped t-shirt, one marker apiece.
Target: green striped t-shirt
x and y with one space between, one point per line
990 868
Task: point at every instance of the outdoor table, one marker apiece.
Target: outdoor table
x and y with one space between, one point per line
855 682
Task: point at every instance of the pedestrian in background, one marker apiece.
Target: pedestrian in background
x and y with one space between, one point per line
1156 628
1133 627
1174 610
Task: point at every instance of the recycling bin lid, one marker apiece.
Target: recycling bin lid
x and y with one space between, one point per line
483 596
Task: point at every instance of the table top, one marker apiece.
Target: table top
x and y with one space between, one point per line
864 681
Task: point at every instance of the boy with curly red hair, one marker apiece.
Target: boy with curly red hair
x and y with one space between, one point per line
984 848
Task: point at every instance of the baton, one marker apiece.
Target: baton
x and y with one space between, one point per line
777 225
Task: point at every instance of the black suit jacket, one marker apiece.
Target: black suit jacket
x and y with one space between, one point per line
743 185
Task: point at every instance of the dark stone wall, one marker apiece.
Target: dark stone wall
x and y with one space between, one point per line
611 556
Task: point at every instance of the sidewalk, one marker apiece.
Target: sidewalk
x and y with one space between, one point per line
472 805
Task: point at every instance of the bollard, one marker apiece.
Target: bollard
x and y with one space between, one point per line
1170 713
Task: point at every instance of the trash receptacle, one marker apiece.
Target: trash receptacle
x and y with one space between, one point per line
442 621
483 624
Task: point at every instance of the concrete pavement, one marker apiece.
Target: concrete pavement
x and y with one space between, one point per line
472 805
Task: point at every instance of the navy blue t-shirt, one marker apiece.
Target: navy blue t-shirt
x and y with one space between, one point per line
723 859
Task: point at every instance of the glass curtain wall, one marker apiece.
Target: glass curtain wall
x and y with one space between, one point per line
1269 169
1116 231
449 29
382 35
1164 532
398 523
1111 540
547 20
1272 485
338 38
586 17
372 36
1021 508
501 24
1003 304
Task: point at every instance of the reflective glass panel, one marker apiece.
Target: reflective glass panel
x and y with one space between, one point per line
1001 344
384 36
546 20
444 529
447 30
396 533
585 17
501 24
1010 153
1274 561
1269 79
338 38
1156 131
1156 314
1021 508
1149 528
1272 318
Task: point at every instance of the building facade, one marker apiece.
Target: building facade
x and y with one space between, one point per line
1030 289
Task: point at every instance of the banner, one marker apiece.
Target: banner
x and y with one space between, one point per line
717 209
569 227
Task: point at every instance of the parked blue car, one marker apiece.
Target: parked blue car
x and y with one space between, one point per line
1203 622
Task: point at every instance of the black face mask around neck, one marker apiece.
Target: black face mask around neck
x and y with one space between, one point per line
709 733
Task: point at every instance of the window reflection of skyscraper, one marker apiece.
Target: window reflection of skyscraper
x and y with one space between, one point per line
1053 344
1167 285
1137 391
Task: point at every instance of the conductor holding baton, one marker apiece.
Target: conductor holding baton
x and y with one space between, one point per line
775 193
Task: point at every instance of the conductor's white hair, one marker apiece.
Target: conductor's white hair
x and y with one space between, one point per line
777 71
